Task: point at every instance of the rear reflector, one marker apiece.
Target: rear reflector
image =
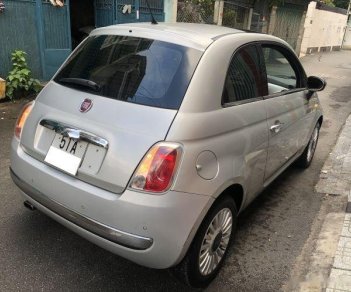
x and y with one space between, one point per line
22 118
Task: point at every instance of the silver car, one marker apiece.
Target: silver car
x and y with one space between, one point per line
151 139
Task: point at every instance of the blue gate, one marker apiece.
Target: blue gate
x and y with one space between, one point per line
103 12
108 12
18 30
55 36
38 28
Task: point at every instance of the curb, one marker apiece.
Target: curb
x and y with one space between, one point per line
336 178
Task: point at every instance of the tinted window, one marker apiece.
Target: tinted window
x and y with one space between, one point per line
244 78
280 74
136 70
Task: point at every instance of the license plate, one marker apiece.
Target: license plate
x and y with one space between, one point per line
66 153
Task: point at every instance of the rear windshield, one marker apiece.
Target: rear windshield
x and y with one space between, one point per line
136 70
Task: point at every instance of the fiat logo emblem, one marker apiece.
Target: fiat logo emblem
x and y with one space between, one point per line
86 105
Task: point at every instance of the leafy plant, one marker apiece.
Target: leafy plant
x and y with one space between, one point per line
20 77
230 18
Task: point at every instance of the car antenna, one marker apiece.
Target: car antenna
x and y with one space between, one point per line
153 20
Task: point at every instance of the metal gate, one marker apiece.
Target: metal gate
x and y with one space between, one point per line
18 30
39 29
103 12
109 12
236 16
55 36
287 24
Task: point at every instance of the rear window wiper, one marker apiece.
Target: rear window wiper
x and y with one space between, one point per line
81 82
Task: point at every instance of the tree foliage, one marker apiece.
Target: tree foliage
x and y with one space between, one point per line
337 3
341 3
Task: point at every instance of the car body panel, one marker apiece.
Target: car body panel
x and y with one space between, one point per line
192 35
129 128
222 146
240 145
291 112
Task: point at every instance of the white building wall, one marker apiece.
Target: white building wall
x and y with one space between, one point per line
347 38
170 8
324 30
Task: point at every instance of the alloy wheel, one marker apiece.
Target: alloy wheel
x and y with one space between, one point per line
313 144
215 241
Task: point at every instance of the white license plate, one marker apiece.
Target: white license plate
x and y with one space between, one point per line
66 153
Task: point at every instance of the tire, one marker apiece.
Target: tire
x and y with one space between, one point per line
216 244
306 157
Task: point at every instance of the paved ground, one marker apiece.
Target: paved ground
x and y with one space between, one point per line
336 179
329 262
36 253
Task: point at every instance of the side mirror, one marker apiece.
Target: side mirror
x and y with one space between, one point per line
315 84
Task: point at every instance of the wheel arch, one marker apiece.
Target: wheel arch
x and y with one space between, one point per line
236 192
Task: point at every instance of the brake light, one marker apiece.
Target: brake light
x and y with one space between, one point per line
156 171
22 118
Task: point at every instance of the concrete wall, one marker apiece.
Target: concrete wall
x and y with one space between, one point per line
323 30
347 39
170 9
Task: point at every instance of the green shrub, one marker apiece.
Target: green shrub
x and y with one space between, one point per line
229 18
20 79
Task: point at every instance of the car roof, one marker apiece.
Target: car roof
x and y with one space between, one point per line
195 35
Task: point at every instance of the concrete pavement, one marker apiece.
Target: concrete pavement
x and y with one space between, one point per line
336 178
330 267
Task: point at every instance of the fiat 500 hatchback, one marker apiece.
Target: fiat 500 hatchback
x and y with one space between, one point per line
151 139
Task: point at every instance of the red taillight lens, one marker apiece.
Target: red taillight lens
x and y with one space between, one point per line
22 118
156 171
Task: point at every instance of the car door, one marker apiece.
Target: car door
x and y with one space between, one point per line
286 104
242 97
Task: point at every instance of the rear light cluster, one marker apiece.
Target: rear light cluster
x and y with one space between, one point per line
156 171
22 118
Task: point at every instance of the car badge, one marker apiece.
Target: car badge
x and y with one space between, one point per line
86 105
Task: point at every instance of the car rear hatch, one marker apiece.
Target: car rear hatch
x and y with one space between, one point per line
113 99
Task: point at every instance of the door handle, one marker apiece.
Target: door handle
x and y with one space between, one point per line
276 127
67 131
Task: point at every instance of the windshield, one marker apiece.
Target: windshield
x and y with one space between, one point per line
137 70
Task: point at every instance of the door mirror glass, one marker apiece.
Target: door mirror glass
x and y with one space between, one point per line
315 83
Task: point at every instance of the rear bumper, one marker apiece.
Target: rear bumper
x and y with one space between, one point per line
117 236
151 230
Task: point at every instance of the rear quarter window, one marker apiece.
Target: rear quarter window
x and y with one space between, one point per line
136 70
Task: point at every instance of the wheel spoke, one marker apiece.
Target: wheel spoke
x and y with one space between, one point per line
212 228
227 225
217 258
204 260
208 264
207 237
204 255
205 246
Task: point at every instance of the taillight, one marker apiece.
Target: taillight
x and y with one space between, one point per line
156 171
22 118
